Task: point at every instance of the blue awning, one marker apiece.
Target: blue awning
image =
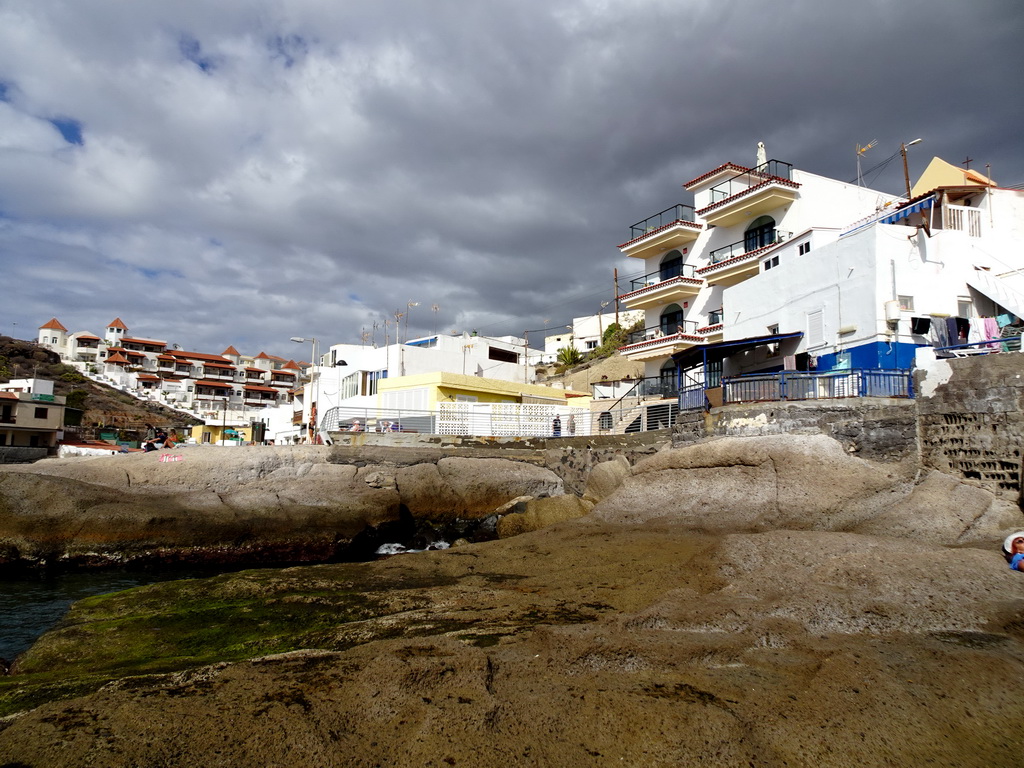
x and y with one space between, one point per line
902 213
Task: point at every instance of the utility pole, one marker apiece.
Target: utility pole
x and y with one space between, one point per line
616 289
906 172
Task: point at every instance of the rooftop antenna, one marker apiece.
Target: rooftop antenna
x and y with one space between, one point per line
860 153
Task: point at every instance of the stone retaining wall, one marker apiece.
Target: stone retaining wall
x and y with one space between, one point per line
876 429
10 454
970 419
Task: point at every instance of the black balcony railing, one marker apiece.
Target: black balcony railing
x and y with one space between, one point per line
714 318
678 212
661 331
755 242
741 182
666 273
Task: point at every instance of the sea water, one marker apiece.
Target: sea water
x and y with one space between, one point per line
32 604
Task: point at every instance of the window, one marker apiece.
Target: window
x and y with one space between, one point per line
906 303
803 248
672 320
759 234
772 262
815 328
671 266
591 345
502 355
714 369
41 413
964 307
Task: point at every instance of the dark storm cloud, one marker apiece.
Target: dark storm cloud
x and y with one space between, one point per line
302 168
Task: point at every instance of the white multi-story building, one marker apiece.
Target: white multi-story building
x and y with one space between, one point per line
225 387
776 269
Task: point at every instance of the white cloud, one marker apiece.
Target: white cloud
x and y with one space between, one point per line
251 168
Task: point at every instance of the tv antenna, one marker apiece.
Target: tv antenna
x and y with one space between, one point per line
860 153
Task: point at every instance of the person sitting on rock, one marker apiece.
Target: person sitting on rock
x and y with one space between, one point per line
1013 550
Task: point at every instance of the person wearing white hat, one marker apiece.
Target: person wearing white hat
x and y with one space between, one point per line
356 426
1013 550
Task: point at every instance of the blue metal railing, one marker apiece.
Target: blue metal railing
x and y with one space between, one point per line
803 385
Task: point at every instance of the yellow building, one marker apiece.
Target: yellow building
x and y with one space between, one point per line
427 391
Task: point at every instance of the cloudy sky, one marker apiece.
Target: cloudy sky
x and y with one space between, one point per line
231 172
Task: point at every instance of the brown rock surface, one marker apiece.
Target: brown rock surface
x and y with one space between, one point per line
540 513
586 644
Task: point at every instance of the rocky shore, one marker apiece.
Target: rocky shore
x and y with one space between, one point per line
760 601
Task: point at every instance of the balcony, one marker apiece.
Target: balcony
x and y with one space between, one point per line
738 261
663 287
714 330
671 228
659 341
750 193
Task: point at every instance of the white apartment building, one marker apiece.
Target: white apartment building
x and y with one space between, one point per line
226 387
773 269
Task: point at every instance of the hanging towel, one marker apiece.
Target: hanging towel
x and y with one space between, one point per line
940 336
976 332
1004 319
963 328
991 331
952 331
920 325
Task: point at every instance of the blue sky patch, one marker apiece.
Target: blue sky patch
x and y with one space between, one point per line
288 48
70 129
156 274
191 49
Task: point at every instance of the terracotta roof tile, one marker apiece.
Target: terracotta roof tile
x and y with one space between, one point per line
55 325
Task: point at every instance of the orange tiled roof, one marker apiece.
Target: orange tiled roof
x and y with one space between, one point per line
231 351
118 358
54 324
200 356
117 323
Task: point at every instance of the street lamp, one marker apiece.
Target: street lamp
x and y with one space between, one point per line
314 380
906 172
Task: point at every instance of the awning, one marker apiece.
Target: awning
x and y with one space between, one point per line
902 213
712 353
213 384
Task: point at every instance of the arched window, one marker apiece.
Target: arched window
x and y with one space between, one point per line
760 233
671 265
671 319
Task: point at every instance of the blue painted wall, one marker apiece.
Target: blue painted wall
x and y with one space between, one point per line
872 356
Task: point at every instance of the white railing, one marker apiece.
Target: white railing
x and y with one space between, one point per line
963 219
470 419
